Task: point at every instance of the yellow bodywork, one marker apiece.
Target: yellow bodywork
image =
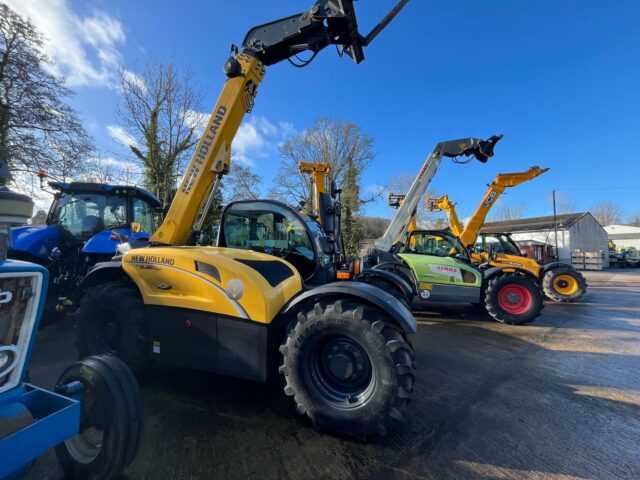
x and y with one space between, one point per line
182 277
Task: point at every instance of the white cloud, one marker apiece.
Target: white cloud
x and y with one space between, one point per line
85 50
257 138
121 136
197 119
134 79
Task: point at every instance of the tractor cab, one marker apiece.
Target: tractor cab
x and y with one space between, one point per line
271 227
85 225
498 243
92 217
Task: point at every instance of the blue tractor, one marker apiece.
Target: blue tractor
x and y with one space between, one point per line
94 416
85 225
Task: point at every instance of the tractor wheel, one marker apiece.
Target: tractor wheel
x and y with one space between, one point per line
348 367
563 284
513 298
111 319
111 422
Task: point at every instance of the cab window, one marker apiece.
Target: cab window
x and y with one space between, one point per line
436 244
143 214
272 229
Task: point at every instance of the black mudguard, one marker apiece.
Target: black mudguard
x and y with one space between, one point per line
102 272
549 266
406 289
370 294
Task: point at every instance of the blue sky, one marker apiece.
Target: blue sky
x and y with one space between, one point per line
559 78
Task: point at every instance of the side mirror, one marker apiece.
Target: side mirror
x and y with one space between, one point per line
335 191
325 245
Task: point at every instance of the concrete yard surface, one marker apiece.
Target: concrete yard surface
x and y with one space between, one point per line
557 399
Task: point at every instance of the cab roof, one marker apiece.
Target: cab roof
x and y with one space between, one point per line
122 190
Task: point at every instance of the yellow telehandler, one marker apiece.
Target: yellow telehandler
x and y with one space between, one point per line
560 282
265 296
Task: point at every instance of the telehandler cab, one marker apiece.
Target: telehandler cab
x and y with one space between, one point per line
437 264
342 347
559 281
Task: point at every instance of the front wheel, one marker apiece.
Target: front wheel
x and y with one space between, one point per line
513 298
348 367
111 319
111 423
563 284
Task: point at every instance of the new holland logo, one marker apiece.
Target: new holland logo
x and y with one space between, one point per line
151 259
235 289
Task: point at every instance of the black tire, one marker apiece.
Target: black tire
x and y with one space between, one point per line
112 420
364 342
525 291
111 319
554 281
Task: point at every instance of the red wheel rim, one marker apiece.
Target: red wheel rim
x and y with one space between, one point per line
514 299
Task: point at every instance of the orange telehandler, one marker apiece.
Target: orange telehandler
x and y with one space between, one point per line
559 281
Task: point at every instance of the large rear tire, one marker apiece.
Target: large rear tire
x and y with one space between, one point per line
348 367
112 420
111 319
563 284
513 298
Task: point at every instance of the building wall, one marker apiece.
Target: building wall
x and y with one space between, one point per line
589 236
627 242
586 234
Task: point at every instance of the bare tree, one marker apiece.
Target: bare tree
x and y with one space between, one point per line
242 184
566 207
635 220
160 110
332 141
509 211
38 130
109 170
607 213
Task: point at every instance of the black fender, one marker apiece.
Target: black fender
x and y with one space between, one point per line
103 272
493 271
399 282
549 266
370 294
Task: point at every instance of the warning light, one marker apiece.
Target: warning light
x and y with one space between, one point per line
343 275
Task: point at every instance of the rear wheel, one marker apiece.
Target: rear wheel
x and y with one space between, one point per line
111 320
111 422
513 298
347 367
563 284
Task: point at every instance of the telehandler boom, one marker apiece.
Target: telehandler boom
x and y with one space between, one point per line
475 147
559 281
265 296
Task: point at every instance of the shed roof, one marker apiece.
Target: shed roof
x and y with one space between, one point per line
565 220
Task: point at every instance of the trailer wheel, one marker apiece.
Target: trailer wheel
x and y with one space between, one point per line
348 367
563 284
111 424
111 319
513 298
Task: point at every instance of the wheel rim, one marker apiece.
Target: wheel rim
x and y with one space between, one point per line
515 299
565 284
85 447
340 371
